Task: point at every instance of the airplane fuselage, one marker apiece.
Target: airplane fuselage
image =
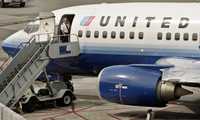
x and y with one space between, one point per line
127 33
132 33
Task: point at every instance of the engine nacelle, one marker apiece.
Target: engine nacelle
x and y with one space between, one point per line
137 86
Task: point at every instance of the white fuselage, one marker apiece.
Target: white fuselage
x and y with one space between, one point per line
176 25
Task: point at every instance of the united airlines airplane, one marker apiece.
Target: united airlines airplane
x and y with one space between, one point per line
145 54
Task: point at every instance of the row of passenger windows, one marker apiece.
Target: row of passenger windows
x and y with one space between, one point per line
177 36
113 34
160 35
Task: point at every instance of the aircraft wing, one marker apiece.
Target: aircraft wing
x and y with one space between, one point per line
186 71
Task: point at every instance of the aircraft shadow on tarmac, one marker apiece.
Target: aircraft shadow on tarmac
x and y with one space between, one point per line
47 105
160 115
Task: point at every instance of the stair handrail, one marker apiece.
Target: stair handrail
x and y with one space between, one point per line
28 42
50 41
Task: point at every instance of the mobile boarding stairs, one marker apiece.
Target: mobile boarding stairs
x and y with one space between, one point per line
18 74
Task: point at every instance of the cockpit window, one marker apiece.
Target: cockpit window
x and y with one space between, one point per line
31 28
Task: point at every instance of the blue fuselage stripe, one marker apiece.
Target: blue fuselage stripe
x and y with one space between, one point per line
94 57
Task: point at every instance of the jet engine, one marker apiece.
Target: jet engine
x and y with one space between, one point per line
137 86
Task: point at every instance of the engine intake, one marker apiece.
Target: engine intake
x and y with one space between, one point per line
137 86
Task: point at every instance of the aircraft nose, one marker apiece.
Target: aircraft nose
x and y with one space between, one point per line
9 47
11 44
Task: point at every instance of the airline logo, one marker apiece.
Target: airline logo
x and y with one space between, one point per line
165 22
87 20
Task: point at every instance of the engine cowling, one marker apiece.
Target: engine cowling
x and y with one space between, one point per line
137 86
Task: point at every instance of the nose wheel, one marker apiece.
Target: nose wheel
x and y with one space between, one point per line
149 115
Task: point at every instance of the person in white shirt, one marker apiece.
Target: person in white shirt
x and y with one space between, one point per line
65 30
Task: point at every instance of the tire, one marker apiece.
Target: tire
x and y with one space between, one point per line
2 4
30 106
66 100
22 4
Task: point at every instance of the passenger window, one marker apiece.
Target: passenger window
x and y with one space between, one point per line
113 34
168 36
122 35
88 34
141 35
194 36
185 36
96 34
159 36
177 36
104 34
131 35
80 33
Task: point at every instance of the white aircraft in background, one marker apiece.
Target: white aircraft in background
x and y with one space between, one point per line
145 54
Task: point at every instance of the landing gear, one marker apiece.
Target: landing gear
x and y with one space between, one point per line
149 114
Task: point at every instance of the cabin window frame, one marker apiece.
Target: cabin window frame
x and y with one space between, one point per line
80 33
132 35
186 36
141 35
88 34
159 35
122 35
168 36
96 34
195 37
113 35
104 34
177 36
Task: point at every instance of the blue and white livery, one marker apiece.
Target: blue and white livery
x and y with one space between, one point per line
145 54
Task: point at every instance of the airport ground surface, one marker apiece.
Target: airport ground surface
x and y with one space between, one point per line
88 106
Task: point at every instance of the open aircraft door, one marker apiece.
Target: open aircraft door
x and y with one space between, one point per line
67 44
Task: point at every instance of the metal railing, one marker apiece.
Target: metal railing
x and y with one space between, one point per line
55 39
34 38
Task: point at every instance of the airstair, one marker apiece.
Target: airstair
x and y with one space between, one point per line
20 73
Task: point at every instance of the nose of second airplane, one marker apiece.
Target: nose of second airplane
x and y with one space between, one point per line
11 44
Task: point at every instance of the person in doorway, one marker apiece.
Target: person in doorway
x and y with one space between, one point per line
65 30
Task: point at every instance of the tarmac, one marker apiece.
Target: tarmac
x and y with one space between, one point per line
88 106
